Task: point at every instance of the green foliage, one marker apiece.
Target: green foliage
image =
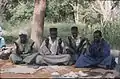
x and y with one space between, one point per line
10 39
59 11
18 11
21 13
17 16
112 34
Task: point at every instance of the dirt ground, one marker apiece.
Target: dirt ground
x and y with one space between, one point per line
46 73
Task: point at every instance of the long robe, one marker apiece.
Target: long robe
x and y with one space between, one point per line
50 55
98 55
76 47
24 53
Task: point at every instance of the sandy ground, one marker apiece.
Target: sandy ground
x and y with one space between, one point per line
46 73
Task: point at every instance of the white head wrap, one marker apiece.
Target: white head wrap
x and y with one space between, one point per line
23 32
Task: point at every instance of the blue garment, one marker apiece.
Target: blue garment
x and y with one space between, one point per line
2 42
98 55
101 49
75 57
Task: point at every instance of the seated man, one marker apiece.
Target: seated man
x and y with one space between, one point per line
4 51
98 54
52 51
76 44
23 52
2 40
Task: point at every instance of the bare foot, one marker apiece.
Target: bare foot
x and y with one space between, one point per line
73 65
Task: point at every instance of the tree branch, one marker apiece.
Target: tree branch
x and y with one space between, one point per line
72 5
101 5
95 9
115 5
20 2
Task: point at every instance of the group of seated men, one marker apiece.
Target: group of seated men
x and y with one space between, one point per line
78 51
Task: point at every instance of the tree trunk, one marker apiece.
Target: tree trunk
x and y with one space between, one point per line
104 9
38 22
76 13
107 13
75 10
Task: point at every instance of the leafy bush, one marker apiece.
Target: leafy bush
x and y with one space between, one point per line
10 39
111 32
21 13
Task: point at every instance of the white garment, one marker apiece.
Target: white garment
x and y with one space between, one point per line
77 40
54 45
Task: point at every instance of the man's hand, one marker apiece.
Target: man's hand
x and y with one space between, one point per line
69 38
60 41
67 50
16 45
47 42
66 47
32 45
17 48
31 48
70 41
4 48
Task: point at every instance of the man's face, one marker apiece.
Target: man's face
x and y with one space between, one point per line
23 38
74 33
53 34
97 37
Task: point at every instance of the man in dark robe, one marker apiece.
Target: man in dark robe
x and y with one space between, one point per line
98 54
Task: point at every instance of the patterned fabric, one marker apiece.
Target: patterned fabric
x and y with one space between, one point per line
50 55
24 54
52 48
76 47
25 48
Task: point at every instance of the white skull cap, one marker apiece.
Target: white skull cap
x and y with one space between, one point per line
23 32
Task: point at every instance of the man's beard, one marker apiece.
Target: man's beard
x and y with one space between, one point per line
75 36
23 41
54 38
97 40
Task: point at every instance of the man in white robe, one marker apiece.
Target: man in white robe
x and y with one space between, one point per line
51 51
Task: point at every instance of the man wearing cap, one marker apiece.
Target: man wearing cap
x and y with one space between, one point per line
98 54
76 44
23 52
51 51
